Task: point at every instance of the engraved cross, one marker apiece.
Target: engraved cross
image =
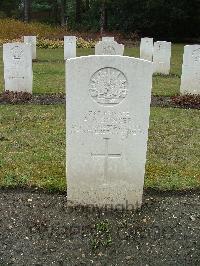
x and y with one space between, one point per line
106 156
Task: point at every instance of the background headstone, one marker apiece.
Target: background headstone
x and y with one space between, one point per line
190 79
69 47
162 57
109 47
18 74
32 40
107 129
146 49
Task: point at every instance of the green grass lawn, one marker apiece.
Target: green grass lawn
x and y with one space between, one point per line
49 71
32 151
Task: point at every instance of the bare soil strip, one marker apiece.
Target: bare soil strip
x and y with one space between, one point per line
186 102
38 228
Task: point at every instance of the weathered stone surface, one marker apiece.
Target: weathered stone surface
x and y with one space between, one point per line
108 106
146 48
18 74
162 57
69 47
32 40
109 47
190 79
191 56
108 38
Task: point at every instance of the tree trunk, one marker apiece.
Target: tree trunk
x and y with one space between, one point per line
61 8
56 11
27 8
102 16
106 18
78 11
87 5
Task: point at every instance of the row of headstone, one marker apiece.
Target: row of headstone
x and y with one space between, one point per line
159 52
17 60
108 46
69 46
17 57
107 134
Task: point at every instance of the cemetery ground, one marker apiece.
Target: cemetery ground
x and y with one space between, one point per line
37 228
33 136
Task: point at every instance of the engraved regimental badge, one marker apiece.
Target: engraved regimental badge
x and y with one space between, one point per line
108 86
196 55
108 49
17 52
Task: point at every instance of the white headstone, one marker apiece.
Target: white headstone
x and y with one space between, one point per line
190 79
18 74
162 57
108 38
69 47
109 47
107 129
32 40
146 48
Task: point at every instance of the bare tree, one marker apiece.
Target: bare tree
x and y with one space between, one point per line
87 4
27 9
78 10
62 10
102 16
